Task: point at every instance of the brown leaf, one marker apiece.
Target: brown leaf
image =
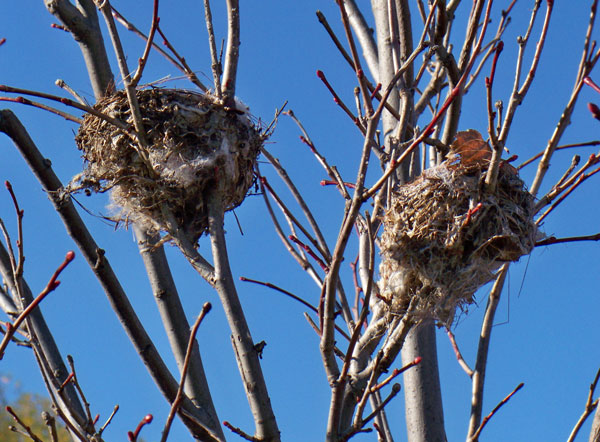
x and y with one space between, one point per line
471 148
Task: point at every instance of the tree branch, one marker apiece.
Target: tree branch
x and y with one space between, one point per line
83 24
246 354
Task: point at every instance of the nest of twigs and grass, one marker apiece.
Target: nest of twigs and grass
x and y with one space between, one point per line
445 235
193 143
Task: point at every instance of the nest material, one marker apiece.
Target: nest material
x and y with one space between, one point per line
438 247
194 142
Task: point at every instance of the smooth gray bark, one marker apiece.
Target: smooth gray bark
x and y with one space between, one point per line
422 393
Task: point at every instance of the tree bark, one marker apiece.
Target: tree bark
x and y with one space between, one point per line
422 393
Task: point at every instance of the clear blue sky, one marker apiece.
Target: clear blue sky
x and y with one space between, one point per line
549 310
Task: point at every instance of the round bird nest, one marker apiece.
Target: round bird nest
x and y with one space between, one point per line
193 143
444 236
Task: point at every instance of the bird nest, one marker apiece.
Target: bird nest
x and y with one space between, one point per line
445 236
193 143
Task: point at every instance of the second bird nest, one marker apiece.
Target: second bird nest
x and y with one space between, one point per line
445 235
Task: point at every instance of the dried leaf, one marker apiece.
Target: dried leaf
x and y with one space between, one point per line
471 148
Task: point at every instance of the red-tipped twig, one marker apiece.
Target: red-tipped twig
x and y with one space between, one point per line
67 102
567 186
335 183
26 101
594 110
396 372
133 435
142 62
310 252
337 100
459 356
60 27
375 94
320 158
587 80
186 363
496 408
50 287
576 184
288 214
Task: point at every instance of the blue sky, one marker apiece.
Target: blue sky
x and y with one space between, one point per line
548 338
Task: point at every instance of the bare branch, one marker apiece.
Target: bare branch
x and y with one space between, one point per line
485 335
496 408
177 328
216 63
586 65
142 62
245 353
184 372
364 36
590 406
232 52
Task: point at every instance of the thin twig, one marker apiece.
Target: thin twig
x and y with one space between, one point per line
142 62
590 406
179 396
109 420
478 377
587 63
68 102
553 240
61 84
27 428
50 109
186 68
324 249
459 356
565 146
50 287
496 408
181 64
241 433
216 63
